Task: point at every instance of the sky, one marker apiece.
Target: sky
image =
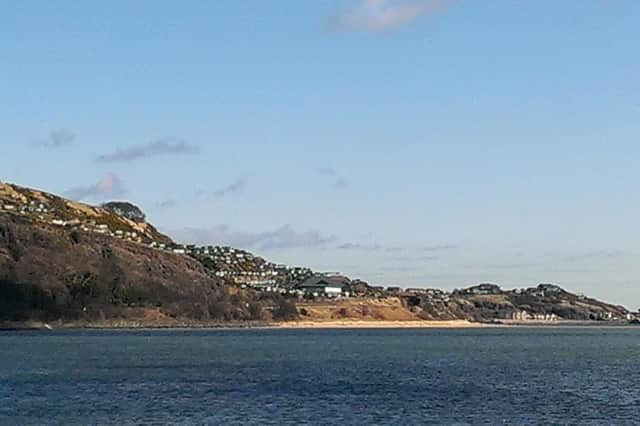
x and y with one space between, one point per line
419 143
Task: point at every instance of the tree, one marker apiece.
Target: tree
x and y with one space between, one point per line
285 310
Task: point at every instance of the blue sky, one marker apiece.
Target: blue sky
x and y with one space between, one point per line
407 142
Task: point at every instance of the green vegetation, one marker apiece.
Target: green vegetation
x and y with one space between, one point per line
22 302
83 286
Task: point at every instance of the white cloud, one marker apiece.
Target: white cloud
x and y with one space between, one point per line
383 15
56 139
359 246
341 183
280 238
327 171
234 187
109 185
156 148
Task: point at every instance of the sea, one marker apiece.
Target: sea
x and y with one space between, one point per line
492 376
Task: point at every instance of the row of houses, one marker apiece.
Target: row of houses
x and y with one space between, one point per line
31 207
98 228
233 265
46 213
527 316
243 268
230 264
315 286
237 266
523 315
19 203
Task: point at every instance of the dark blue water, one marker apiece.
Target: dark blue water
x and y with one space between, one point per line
342 377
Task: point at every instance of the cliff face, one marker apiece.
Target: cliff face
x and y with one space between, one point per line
125 209
49 273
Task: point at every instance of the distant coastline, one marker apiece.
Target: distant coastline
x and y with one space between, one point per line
65 264
303 324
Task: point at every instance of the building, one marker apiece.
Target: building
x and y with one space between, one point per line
485 289
323 286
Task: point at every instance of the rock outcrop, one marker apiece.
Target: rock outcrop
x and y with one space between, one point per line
125 209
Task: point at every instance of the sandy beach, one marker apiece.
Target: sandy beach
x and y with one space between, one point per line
378 324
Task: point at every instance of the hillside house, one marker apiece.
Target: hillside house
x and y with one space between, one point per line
323 286
482 290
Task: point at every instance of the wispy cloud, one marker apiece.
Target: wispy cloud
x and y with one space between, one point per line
56 139
284 237
341 183
235 187
396 268
514 265
593 255
395 249
165 146
426 258
109 185
349 246
565 263
398 249
383 15
327 171
440 247
359 246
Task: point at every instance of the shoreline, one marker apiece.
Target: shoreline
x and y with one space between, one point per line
358 324
333 324
304 324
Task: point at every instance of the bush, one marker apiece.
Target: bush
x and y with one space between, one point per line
285 310
22 301
83 286
255 311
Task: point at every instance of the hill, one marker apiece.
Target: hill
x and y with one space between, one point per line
42 208
74 263
67 261
488 302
